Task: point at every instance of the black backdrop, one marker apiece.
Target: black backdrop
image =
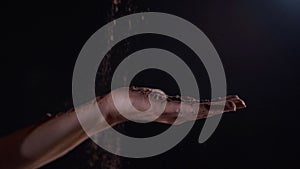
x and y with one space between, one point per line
258 44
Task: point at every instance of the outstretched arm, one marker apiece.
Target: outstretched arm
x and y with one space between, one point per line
44 142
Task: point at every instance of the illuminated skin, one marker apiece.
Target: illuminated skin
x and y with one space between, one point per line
50 139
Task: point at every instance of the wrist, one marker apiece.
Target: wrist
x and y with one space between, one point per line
109 111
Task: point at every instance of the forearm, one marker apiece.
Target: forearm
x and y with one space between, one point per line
42 143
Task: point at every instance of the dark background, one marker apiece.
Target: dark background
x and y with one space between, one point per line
258 43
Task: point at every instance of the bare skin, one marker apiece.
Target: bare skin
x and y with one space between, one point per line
50 139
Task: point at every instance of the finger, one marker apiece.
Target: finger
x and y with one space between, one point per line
234 98
189 108
185 111
240 104
215 108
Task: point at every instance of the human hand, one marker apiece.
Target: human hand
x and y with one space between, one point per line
146 104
